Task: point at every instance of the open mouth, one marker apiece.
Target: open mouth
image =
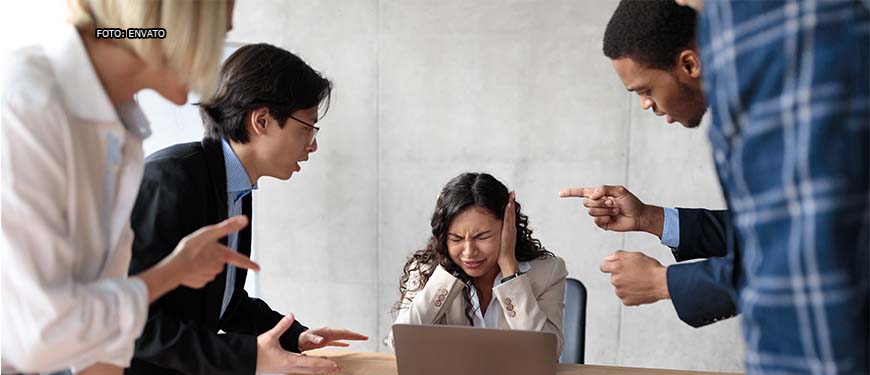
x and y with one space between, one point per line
298 164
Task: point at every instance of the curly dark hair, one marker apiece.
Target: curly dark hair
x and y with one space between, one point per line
651 32
460 193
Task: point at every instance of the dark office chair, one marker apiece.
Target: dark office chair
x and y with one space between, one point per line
574 326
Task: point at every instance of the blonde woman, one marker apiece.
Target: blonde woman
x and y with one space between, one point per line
71 166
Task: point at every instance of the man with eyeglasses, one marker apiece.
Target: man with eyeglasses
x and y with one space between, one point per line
260 122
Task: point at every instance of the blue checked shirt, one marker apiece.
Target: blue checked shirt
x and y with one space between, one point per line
238 186
789 89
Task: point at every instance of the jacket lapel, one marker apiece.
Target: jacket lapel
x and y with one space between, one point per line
217 174
245 240
456 312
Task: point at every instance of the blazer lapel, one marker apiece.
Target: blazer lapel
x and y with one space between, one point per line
217 173
245 240
456 311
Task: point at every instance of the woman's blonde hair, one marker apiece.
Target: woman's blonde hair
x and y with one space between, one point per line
195 32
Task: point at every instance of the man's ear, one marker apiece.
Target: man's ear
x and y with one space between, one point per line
257 120
689 63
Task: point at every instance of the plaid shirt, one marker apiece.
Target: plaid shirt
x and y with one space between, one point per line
789 90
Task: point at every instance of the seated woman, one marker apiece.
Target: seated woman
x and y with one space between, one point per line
482 267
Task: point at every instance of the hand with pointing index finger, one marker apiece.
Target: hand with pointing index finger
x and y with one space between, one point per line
616 209
200 257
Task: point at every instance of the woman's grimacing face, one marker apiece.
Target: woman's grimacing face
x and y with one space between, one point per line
473 241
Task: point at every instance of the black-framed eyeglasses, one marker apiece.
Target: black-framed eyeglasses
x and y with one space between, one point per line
314 131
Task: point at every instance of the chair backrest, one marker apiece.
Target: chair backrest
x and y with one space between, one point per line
574 326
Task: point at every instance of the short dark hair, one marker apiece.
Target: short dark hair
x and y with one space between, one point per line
256 76
651 32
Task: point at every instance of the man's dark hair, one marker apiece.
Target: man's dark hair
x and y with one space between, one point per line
650 32
256 76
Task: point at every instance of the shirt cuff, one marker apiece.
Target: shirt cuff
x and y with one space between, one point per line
671 228
133 310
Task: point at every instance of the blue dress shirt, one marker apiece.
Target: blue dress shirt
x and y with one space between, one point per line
238 186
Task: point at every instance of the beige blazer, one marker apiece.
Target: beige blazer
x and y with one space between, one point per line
533 301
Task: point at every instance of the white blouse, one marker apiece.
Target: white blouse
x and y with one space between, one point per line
71 168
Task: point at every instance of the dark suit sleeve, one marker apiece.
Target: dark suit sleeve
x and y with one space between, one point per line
702 233
703 292
190 348
162 216
253 316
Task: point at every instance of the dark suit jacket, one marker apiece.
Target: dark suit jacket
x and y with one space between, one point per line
703 292
184 189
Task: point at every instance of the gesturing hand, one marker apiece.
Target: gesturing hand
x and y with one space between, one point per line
636 278
326 336
272 358
199 257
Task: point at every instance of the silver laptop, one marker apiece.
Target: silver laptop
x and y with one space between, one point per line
440 350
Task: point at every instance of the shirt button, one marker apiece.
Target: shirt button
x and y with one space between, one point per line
512 313
509 307
507 301
438 303
442 292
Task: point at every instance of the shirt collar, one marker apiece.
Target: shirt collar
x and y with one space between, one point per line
83 94
475 298
237 177
705 118
523 266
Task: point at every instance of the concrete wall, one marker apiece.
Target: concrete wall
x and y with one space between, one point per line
426 90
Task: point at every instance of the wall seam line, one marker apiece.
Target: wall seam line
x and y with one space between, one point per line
626 179
378 169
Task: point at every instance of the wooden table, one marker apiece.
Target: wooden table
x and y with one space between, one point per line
358 363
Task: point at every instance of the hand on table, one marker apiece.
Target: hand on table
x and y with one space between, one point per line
326 336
